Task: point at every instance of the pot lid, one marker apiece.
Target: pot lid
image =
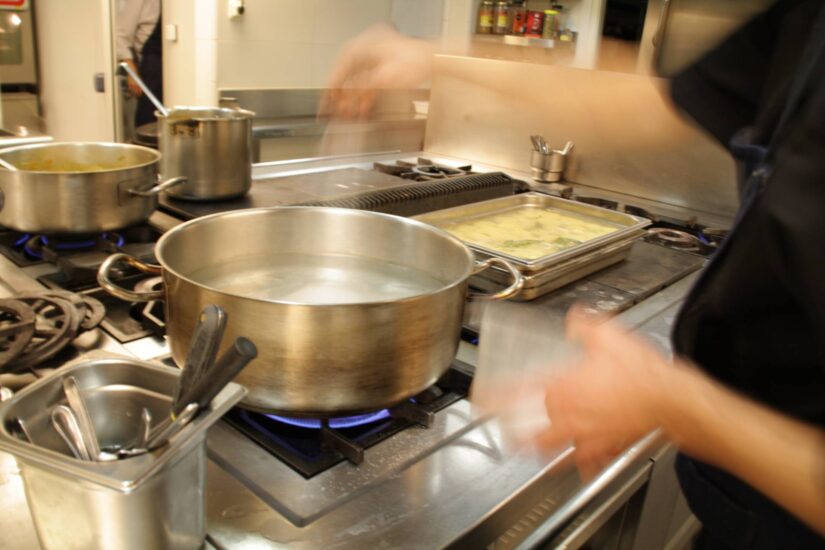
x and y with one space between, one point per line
147 134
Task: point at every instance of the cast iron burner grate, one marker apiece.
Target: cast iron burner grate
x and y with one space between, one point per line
313 446
12 246
422 170
77 257
78 262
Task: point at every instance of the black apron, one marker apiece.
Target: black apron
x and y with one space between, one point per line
151 71
733 514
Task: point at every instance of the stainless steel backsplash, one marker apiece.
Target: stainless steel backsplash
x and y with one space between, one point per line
629 138
303 102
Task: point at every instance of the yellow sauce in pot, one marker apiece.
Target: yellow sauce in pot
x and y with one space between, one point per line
67 165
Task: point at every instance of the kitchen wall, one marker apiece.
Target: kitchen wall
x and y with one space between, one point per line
275 44
628 137
190 51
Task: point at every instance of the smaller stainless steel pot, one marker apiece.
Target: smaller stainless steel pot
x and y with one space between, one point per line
211 147
79 188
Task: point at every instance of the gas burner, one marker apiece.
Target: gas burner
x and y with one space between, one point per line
334 423
22 240
151 315
125 321
311 446
601 203
435 171
34 246
674 238
615 205
422 170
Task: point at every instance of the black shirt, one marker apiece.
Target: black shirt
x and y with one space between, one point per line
756 319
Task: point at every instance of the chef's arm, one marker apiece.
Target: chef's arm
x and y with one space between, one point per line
128 18
621 388
774 453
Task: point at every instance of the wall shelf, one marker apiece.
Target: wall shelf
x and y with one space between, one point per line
510 40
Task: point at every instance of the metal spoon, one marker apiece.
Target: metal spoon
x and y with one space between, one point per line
202 349
221 373
213 380
65 424
144 429
155 101
161 437
24 430
567 148
84 420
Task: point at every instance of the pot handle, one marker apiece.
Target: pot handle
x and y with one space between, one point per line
159 188
105 281
510 291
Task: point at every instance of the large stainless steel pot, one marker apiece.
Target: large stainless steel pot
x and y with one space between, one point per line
211 147
79 187
350 310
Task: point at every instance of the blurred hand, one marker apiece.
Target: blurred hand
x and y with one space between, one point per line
609 398
380 58
134 89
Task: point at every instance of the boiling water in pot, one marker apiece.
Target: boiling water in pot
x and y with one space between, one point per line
317 279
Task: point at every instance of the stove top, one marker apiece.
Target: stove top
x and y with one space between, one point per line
374 480
402 187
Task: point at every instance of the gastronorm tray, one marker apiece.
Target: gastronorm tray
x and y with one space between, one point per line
564 273
627 226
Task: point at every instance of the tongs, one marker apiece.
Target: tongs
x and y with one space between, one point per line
203 377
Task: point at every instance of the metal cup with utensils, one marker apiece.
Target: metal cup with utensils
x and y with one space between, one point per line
548 164
151 500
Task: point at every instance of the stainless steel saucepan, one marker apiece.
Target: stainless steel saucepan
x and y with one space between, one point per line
210 146
78 187
350 310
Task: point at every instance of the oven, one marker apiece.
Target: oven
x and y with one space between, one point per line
18 66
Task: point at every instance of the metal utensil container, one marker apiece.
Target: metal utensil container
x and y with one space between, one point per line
211 147
154 500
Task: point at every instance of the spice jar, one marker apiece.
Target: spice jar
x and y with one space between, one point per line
533 26
518 19
485 17
549 30
502 18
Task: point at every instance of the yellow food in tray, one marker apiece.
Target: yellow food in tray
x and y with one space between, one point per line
529 233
